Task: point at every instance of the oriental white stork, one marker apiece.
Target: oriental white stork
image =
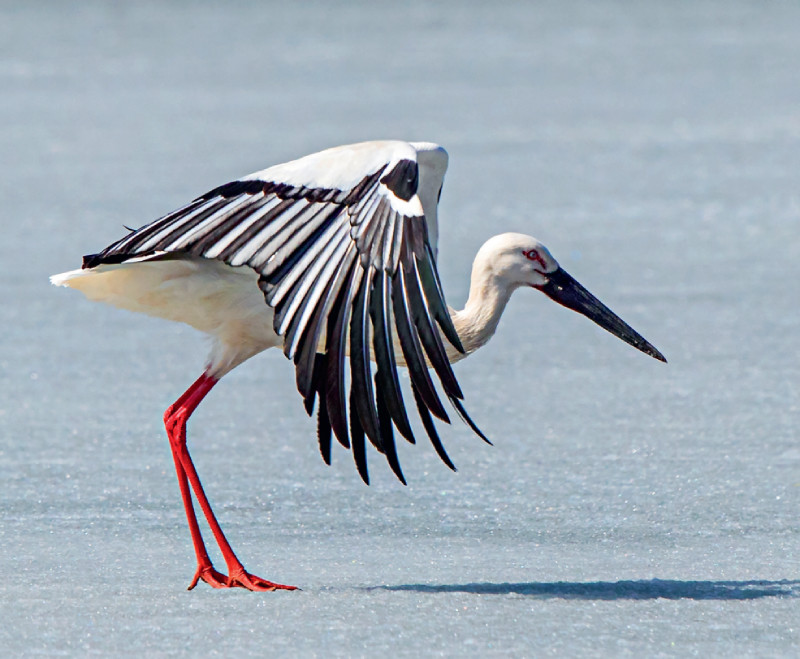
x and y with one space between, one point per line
331 257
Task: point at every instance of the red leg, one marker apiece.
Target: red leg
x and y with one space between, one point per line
175 419
205 567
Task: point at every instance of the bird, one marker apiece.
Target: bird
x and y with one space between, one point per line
332 258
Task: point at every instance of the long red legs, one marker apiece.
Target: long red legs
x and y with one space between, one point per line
204 565
175 419
205 569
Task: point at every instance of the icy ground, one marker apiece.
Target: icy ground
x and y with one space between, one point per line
627 507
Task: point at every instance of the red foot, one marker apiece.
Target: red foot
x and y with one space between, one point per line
244 579
239 579
210 576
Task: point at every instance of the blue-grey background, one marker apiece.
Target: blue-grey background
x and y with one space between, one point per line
627 507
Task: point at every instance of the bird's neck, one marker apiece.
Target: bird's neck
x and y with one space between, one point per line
477 321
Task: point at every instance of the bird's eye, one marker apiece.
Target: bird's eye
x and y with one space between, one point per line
533 255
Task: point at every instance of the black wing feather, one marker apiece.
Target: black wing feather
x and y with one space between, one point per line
237 214
463 414
386 430
430 428
312 330
412 351
429 337
357 441
435 297
335 349
360 370
323 422
384 357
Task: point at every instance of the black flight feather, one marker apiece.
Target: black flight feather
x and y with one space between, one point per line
430 428
360 370
435 297
357 441
429 337
412 351
323 422
387 435
335 345
463 414
389 391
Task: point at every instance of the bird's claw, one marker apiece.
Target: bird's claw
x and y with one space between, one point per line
212 577
239 578
243 579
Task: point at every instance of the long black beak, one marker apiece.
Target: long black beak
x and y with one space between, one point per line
567 291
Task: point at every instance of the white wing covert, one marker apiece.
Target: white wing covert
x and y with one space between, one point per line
345 265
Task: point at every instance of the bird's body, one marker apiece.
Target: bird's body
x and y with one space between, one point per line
332 258
217 299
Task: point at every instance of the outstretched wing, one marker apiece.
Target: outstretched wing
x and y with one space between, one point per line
341 245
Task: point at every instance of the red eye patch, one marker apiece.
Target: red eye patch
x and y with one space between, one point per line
533 255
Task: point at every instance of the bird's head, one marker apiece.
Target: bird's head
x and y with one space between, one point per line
515 260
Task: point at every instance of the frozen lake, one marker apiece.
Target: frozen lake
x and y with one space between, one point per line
627 507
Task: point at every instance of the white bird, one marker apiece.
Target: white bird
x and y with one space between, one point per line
332 258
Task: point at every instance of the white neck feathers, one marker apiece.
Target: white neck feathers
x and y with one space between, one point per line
477 321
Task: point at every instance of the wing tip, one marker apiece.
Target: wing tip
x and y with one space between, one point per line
462 412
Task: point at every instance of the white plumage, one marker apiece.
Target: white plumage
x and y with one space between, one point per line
215 298
333 258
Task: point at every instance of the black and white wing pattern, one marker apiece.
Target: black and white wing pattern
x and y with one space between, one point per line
342 248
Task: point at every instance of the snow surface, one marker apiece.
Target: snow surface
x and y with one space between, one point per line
627 508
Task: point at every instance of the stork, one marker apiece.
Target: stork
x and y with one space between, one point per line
331 257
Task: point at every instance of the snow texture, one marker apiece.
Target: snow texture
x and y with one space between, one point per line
628 508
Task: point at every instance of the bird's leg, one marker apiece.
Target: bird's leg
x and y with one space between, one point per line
204 566
176 431
175 419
